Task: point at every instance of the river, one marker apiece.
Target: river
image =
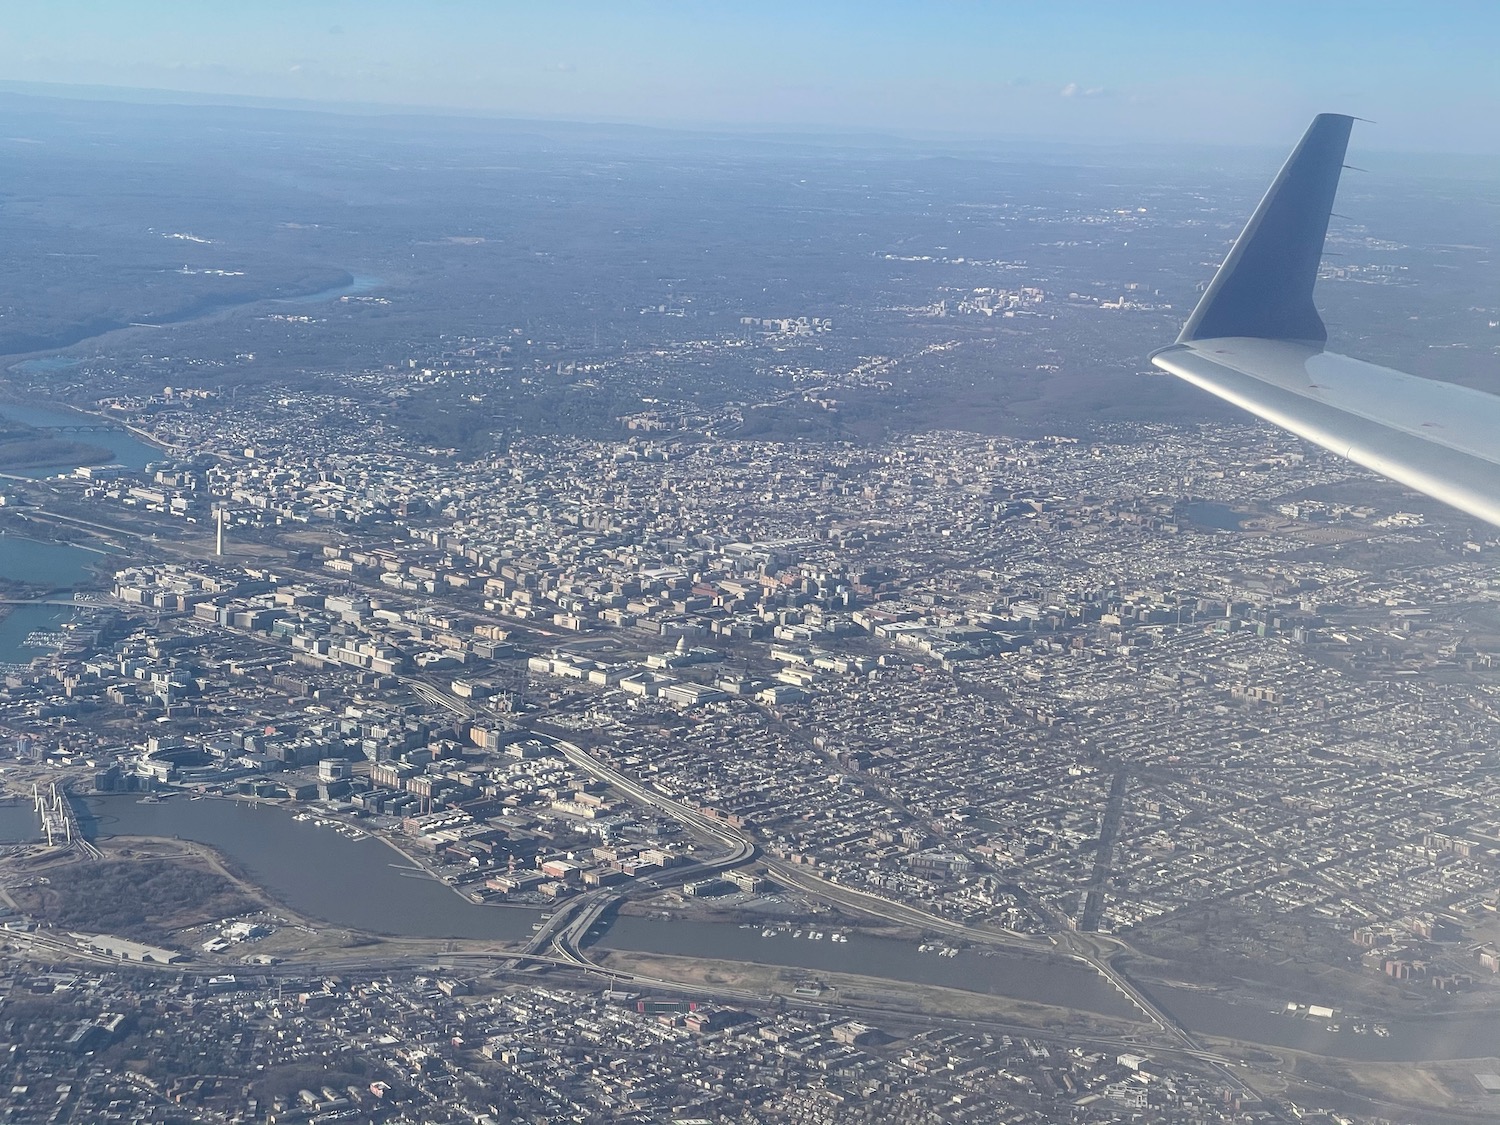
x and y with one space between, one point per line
57 566
49 358
356 286
18 821
36 562
364 884
24 625
127 449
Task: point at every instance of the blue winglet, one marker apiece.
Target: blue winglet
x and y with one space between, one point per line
1264 288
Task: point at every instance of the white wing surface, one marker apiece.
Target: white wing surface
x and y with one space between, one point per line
1256 340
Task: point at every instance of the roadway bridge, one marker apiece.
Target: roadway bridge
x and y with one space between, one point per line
59 823
59 820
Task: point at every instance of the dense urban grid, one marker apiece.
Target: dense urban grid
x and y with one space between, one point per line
435 1047
996 689
780 709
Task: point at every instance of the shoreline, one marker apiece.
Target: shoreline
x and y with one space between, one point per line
332 939
424 869
191 313
1418 1050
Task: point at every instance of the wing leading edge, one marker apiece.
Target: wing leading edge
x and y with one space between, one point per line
1256 340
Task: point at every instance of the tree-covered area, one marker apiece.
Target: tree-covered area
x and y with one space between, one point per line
516 277
27 447
36 451
146 900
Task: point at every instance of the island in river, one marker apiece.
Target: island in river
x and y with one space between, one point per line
25 448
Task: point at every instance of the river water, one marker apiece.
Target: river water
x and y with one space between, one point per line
127 449
1015 975
54 565
18 822
365 884
57 566
357 286
24 622
58 360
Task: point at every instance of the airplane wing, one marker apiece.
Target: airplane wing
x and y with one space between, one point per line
1256 340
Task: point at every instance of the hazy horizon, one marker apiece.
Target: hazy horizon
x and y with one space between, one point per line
1084 73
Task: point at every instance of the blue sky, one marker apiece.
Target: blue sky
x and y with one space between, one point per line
1083 71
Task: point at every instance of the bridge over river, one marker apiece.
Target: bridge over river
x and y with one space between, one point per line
60 820
83 428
